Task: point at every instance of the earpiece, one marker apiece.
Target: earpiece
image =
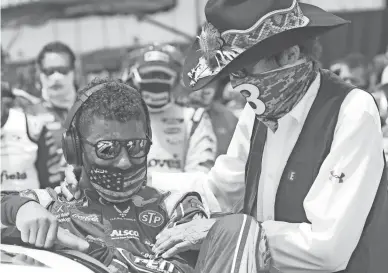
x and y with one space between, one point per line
72 150
71 144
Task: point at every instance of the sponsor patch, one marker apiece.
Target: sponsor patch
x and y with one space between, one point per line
336 177
87 218
13 176
174 141
154 56
148 243
122 213
159 265
63 217
172 130
172 121
119 234
139 201
151 218
169 163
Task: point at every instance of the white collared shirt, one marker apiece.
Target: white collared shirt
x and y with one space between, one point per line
337 211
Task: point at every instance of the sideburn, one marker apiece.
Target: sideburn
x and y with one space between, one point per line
84 182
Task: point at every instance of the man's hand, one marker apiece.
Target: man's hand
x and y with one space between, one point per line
39 227
69 188
184 237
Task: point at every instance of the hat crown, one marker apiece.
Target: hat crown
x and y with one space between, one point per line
240 14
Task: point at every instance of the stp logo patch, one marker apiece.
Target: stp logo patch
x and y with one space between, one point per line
151 218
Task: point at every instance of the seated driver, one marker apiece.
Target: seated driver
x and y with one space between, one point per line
117 217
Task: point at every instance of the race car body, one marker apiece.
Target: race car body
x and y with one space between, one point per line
16 259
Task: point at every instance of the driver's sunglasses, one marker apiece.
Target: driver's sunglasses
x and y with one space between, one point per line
110 149
64 70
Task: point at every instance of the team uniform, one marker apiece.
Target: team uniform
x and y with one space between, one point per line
183 137
121 235
183 141
51 116
28 154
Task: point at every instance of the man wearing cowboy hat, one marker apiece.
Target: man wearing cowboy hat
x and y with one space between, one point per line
305 165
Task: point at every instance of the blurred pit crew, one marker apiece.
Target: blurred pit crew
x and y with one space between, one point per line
223 120
184 140
354 69
29 157
56 65
381 97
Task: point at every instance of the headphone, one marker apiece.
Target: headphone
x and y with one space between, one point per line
71 143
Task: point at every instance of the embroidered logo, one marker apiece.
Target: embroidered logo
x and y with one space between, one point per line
151 218
122 213
291 175
60 209
139 201
336 178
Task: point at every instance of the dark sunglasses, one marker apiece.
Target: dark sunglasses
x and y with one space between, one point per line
110 149
64 70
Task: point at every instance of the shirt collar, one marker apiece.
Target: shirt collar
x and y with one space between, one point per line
299 112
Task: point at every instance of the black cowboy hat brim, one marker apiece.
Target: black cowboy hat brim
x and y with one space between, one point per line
320 22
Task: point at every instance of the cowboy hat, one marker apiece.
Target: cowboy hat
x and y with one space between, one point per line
239 33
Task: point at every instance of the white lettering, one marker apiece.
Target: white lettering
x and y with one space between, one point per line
124 233
292 176
151 218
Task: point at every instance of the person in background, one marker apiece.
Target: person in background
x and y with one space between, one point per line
380 68
22 98
354 69
29 157
223 120
381 97
56 65
184 140
97 74
380 93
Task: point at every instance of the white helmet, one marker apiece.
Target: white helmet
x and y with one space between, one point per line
155 71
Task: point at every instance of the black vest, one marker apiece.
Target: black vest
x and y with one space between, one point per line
303 165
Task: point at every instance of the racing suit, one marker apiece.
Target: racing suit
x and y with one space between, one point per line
28 154
122 235
53 117
183 140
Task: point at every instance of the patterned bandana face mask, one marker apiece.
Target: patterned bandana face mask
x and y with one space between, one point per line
275 93
114 184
